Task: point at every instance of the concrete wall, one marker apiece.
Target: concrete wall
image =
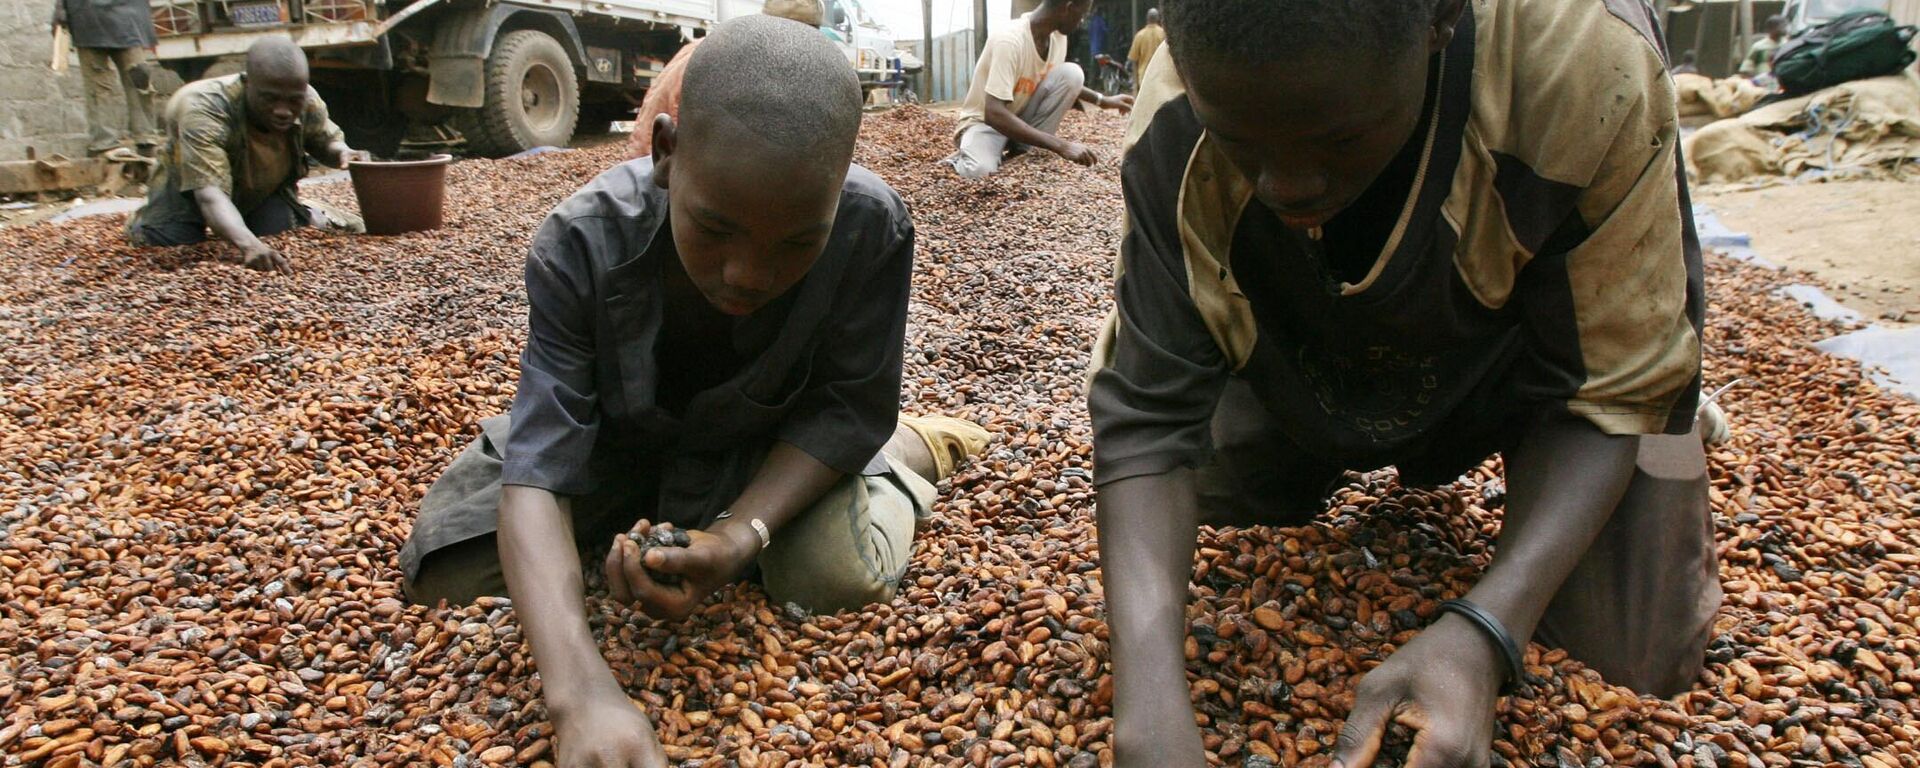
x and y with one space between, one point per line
37 107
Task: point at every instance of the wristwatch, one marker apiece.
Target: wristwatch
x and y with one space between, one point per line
759 528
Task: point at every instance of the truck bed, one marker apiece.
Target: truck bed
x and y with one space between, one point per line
191 29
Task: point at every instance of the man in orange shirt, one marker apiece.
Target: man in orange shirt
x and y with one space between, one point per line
1145 42
663 96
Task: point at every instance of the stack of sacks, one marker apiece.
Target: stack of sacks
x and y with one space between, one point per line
1700 95
1866 126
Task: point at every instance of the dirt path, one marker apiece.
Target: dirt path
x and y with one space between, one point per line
1862 238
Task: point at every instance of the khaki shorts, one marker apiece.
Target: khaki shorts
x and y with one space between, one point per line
846 551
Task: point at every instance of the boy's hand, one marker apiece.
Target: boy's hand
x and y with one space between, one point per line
262 257
607 732
706 564
1443 685
1121 102
1075 152
343 154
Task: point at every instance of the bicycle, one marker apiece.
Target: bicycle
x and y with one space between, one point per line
1113 77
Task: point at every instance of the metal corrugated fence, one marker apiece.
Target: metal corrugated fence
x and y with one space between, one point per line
949 70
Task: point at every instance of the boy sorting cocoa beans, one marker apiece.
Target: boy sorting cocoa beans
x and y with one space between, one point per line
1417 233
715 342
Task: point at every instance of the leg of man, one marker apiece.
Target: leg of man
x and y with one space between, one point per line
846 551
167 234
331 218
452 553
137 80
1639 607
96 66
1056 94
852 546
934 446
979 153
460 573
276 215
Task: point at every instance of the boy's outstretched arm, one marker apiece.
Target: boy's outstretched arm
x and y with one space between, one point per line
1001 117
225 220
1147 529
1119 101
1564 481
595 724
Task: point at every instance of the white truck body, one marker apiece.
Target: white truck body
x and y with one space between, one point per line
231 39
868 44
490 76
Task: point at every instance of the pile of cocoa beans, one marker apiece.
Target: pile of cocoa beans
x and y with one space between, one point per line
208 473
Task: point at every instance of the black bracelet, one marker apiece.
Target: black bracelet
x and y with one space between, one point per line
1516 672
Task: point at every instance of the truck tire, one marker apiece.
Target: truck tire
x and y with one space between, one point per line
533 97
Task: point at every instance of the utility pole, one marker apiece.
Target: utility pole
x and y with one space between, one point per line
1699 11
1746 34
979 28
926 51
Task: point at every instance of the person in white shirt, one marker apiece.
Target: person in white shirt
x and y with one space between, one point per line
1021 89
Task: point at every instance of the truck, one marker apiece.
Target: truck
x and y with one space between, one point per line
485 77
871 47
489 77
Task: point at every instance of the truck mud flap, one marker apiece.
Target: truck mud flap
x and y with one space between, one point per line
461 42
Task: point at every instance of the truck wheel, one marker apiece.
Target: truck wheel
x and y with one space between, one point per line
533 98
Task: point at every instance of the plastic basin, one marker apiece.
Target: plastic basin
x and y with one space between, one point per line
401 196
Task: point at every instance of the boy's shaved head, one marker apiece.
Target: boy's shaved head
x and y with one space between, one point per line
276 92
276 58
1266 30
769 85
754 169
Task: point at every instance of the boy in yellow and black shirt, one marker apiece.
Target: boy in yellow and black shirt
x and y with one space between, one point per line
1411 233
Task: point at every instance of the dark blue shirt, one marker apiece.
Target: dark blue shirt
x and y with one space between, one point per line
106 24
820 366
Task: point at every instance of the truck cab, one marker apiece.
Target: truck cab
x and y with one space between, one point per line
869 44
